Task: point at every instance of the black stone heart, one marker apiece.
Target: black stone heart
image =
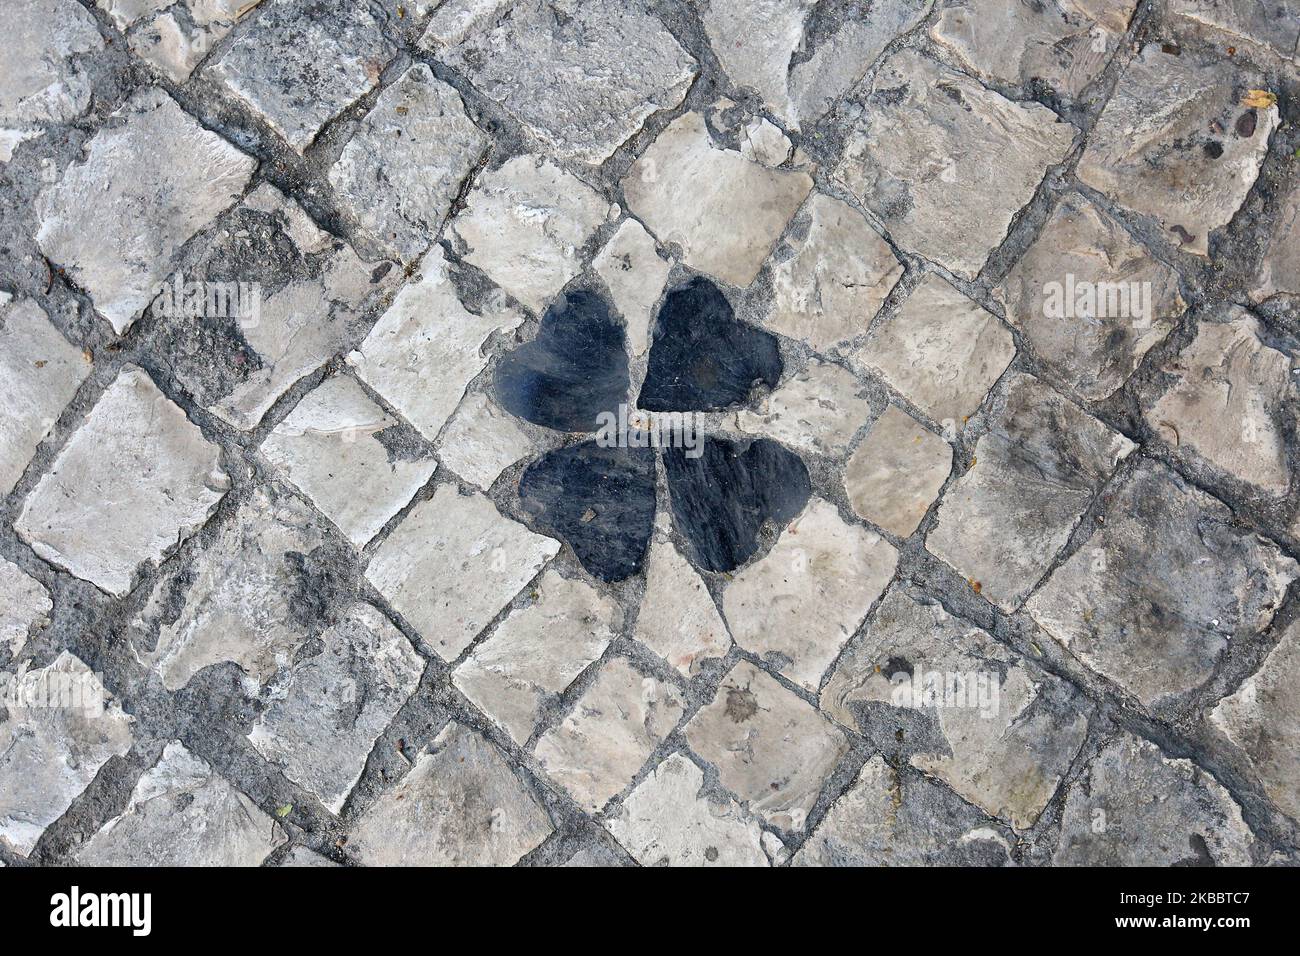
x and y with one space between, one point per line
701 357
573 370
722 498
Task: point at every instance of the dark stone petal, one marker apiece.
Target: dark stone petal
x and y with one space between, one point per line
701 357
601 501
722 498
574 369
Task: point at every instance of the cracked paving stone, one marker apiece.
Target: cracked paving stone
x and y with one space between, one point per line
398 176
460 805
999 731
184 813
1155 619
888 819
835 279
452 564
799 605
26 605
345 453
302 63
175 37
50 751
941 351
151 179
1231 401
481 441
1136 807
635 275
1190 164
613 729
324 717
427 347
763 142
1034 473
896 472
40 372
537 652
1279 266
1270 25
582 76
134 480
772 749
1089 300
670 820
946 163
818 411
724 211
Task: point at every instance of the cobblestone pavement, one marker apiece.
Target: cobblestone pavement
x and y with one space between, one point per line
759 432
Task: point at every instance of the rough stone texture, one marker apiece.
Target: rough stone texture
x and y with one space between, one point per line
481 441
1279 268
25 606
895 473
818 411
175 37
1267 25
635 275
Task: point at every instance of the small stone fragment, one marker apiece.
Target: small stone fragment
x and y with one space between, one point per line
26 604
896 472
763 142
635 275
481 441
1279 267
818 411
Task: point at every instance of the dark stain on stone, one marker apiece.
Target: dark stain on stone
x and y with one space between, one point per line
1246 124
741 704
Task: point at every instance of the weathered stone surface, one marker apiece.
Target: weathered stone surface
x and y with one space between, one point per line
452 564
460 805
611 732
582 76
525 224
538 651
183 813
303 63
1229 400
427 347
340 449
60 727
397 177
149 182
39 373
836 278
754 41
481 441
668 821
819 411
175 37
325 715
134 480
1190 165
800 604
1156 619
1263 720
941 351
1267 25
635 275
1137 807
946 163
1003 522
896 472
763 142
25 605
1279 267
771 749
1089 300
723 211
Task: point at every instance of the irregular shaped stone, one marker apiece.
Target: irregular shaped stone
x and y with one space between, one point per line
1229 402
1279 267
582 77
1089 300
724 211
635 275
460 805
39 373
481 441
338 448
835 280
669 821
176 39
946 163
184 813
1036 470
611 732
941 351
771 749
42 82
754 42
452 564
1137 807
525 224
536 652
819 411
151 179
398 176
1156 620
60 727
132 482
800 604
427 347
896 472
26 604
324 716
1267 25
763 142
303 63
1188 166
